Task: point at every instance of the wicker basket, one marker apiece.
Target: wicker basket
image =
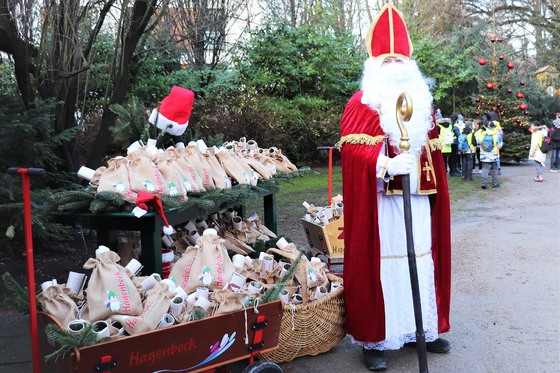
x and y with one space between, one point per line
310 328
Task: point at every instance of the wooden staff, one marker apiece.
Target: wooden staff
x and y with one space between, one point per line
404 112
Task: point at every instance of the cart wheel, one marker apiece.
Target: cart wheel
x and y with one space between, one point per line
263 367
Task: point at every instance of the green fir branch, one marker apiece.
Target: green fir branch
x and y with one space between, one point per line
18 300
69 341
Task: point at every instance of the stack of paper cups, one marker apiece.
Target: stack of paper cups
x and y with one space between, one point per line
202 148
237 223
255 287
267 263
171 285
100 250
335 285
236 282
180 292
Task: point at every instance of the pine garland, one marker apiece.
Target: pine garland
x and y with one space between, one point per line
18 301
198 313
69 341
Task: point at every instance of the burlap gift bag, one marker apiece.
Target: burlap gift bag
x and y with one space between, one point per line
234 168
174 179
191 176
282 160
260 168
155 306
94 182
212 266
110 288
202 167
60 303
228 301
115 179
262 157
145 176
182 269
221 178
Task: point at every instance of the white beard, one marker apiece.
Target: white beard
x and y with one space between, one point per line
381 87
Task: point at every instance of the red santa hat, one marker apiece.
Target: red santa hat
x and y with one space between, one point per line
388 35
145 200
174 111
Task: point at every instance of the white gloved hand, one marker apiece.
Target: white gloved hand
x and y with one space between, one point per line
402 164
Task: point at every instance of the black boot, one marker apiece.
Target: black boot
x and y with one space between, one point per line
375 360
439 346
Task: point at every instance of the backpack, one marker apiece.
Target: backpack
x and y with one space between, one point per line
463 144
487 143
544 144
554 134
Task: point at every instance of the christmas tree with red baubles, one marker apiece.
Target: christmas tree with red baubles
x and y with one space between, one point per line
500 90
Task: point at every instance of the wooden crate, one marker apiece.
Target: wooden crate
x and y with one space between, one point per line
192 347
328 238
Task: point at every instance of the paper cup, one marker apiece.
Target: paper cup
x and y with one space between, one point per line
267 263
236 282
324 220
180 292
229 213
328 211
134 146
101 249
152 142
166 240
190 226
297 299
316 260
149 282
202 148
202 303
238 261
76 282
76 326
193 236
335 286
285 269
285 296
177 307
255 287
308 218
179 145
171 285
47 284
202 292
305 205
281 243
237 223
210 232
117 325
101 329
320 292
134 266
201 223
86 173
165 321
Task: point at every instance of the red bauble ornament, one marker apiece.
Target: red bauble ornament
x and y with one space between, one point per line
518 120
510 65
510 90
498 105
520 95
482 61
523 106
493 39
490 86
522 82
477 100
526 112
502 57
500 39
477 113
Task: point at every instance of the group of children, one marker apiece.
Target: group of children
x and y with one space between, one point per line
545 140
466 142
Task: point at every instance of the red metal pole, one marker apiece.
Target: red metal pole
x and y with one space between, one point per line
30 268
25 172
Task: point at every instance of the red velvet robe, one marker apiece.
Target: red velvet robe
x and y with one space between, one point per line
365 319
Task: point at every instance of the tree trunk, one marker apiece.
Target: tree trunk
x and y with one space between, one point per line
141 14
